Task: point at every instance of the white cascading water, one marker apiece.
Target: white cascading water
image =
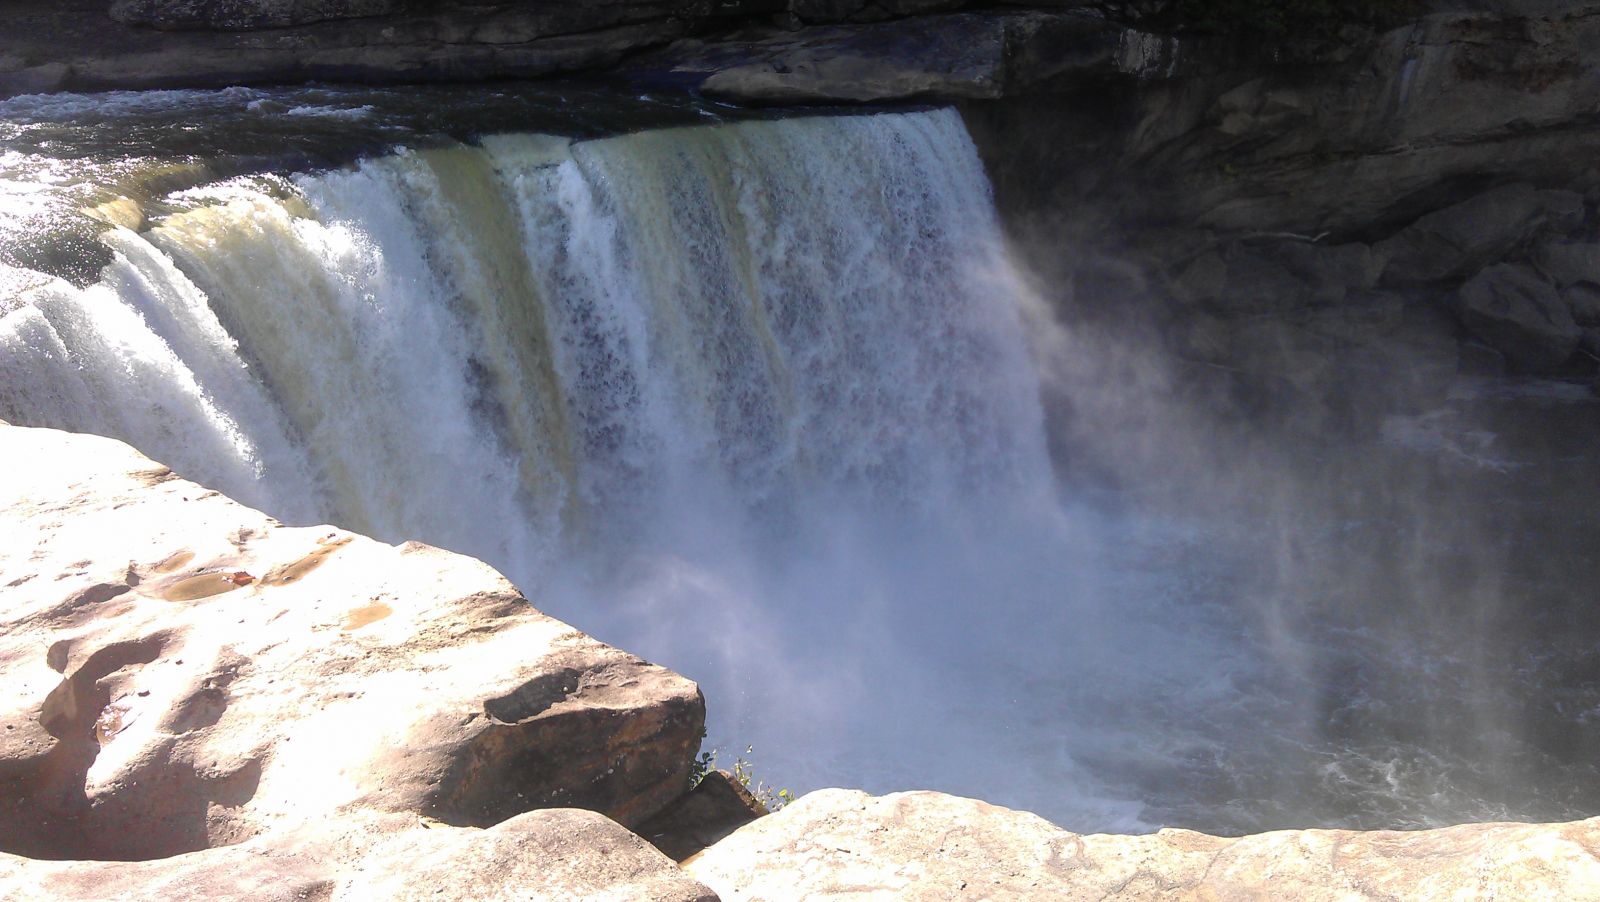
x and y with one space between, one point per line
752 400
761 402
539 332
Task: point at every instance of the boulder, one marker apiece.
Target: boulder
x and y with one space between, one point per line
1453 242
552 854
1516 312
839 844
1568 263
1584 302
183 673
718 805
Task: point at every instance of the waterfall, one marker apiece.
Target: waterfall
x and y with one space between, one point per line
486 346
761 402
734 397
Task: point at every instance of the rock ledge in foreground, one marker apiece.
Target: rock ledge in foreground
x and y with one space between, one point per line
842 844
183 673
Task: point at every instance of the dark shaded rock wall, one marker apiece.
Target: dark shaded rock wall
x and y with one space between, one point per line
136 44
1337 234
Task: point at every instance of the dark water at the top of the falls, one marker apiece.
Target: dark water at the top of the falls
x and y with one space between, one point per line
761 402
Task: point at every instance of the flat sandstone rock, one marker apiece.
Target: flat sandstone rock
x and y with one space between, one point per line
842 844
185 673
559 853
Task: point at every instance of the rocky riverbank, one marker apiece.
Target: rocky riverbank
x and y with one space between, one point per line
203 703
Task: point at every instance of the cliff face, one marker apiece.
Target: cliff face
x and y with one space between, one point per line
877 50
137 44
1335 236
313 713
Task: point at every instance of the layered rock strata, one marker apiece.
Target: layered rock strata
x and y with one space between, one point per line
93 45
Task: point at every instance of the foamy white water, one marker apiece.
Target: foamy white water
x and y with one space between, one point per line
761 402
753 400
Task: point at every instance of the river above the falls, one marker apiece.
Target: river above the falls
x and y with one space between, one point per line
759 399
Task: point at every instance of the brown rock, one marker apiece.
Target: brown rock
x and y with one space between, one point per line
183 673
555 854
551 854
719 805
838 844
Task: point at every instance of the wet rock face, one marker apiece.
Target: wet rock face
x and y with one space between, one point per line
1318 333
839 844
554 854
1512 309
183 673
1366 137
1456 241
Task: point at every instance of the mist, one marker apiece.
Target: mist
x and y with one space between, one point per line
781 406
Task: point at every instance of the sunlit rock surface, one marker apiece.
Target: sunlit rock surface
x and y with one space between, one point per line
838 844
182 672
562 853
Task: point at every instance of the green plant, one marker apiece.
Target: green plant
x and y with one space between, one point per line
705 764
772 798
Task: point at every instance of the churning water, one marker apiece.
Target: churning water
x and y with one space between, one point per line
759 401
